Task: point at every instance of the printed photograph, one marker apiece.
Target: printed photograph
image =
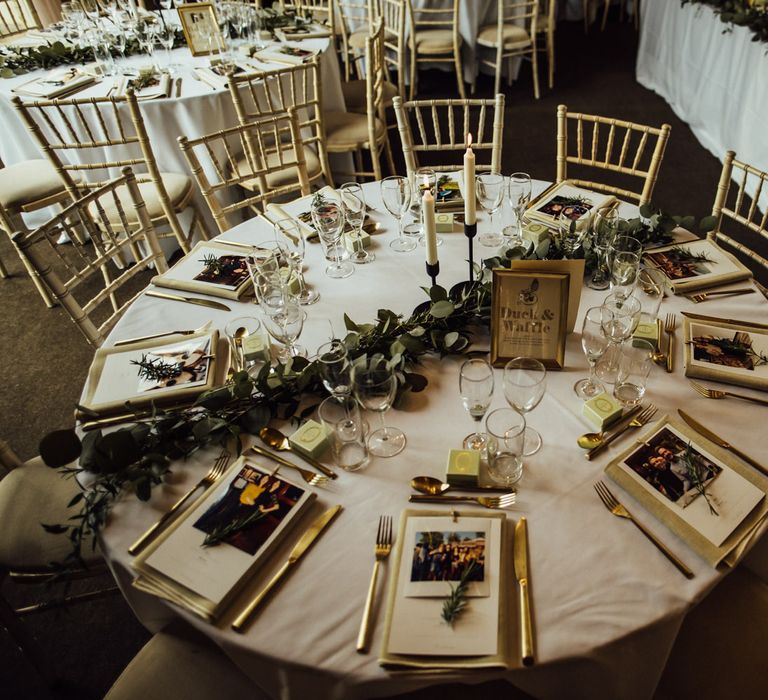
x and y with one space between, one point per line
674 467
249 511
445 556
227 270
570 207
679 264
737 351
447 190
296 51
177 365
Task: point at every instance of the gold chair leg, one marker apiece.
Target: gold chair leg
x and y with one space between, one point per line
3 271
459 73
605 13
535 67
551 60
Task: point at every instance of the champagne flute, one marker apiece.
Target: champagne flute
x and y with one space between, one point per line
594 342
288 233
375 386
353 201
328 218
476 389
396 195
489 188
525 380
604 227
519 196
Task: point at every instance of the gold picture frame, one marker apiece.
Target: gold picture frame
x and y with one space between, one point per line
529 313
199 23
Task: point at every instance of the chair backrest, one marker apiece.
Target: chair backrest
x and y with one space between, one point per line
393 12
265 94
733 204
216 162
621 147
522 12
424 18
443 126
92 276
355 14
320 11
92 139
17 17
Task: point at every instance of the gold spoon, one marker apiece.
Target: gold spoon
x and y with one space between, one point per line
273 438
240 333
434 487
589 440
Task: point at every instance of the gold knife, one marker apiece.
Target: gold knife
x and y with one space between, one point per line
699 428
309 536
190 300
523 580
277 458
141 339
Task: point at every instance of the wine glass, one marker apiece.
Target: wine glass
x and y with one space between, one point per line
519 196
525 380
476 389
375 386
166 36
572 233
288 233
283 319
328 218
396 195
594 342
619 325
624 269
423 179
490 193
335 369
604 227
354 209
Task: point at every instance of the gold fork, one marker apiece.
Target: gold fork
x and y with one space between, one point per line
213 475
381 551
312 478
669 328
708 393
502 501
613 505
698 298
637 422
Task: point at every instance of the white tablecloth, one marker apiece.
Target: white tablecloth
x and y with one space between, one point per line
714 81
607 604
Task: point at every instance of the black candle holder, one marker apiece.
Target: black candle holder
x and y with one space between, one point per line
433 270
470 231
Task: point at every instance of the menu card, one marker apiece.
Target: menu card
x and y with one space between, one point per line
432 551
205 557
703 494
56 83
211 268
285 53
565 199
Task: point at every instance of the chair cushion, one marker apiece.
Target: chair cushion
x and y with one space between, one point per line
357 39
178 187
348 130
27 182
286 176
30 495
435 41
514 36
355 96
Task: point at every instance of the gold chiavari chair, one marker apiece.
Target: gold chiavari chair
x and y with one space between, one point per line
93 137
626 149
393 12
512 36
736 211
546 25
434 37
355 18
442 126
251 152
17 17
322 11
110 235
355 132
265 94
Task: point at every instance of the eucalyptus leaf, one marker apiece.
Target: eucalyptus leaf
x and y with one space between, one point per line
438 293
59 448
442 309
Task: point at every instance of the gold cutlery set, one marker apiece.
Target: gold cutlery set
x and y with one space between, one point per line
636 418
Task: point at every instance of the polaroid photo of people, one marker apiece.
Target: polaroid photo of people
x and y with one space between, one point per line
173 366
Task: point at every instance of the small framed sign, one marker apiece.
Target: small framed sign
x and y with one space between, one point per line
201 29
529 317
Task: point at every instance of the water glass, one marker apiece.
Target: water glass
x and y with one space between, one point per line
505 428
635 365
345 428
236 330
594 342
489 188
525 380
476 389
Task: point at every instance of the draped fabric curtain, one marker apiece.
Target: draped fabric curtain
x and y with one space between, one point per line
49 10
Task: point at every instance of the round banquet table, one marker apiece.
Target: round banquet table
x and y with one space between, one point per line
607 605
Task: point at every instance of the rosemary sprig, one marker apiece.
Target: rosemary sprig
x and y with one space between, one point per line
698 474
219 533
685 255
213 264
157 369
456 602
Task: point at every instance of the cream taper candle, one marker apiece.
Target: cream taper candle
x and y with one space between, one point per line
469 184
430 230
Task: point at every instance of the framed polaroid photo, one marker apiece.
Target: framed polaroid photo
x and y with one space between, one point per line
726 350
200 27
564 199
529 314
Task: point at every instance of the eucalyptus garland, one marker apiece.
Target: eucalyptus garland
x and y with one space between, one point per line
138 457
742 13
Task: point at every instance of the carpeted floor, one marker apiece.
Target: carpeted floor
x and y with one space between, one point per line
47 359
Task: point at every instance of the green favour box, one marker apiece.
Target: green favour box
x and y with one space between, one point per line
256 348
602 410
535 232
352 241
648 331
444 222
463 467
310 439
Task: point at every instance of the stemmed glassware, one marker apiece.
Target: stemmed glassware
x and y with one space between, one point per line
519 197
328 218
525 380
335 369
604 227
353 200
489 188
594 342
619 325
572 233
476 389
624 264
396 195
283 318
375 387
288 233
166 36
